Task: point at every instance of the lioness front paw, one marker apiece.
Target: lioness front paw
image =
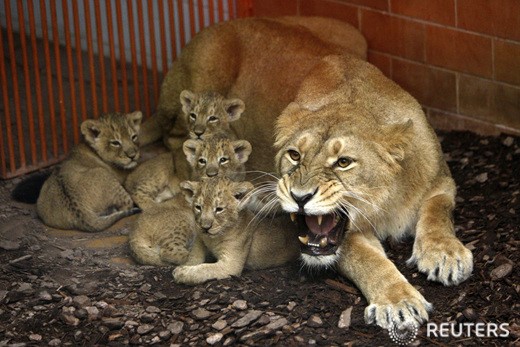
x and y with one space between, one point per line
412 310
445 260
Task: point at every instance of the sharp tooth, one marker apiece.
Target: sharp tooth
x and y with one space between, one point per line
320 218
304 239
293 217
323 242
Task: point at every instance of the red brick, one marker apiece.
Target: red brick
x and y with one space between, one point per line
275 8
393 35
432 87
331 9
494 17
377 4
382 61
439 11
507 62
459 51
491 101
451 121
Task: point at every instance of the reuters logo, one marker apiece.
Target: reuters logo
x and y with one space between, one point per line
403 335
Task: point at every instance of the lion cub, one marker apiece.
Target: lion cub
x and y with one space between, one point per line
227 231
156 180
85 191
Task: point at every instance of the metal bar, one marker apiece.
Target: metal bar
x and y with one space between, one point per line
142 45
50 87
131 29
171 21
90 50
200 5
7 112
162 35
151 28
231 10
79 59
122 56
37 83
70 63
113 62
12 57
180 15
27 79
191 10
99 33
59 76
220 10
211 6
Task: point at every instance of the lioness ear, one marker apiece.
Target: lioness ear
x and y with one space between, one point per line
397 138
189 147
187 98
91 130
135 119
240 189
188 189
242 150
234 108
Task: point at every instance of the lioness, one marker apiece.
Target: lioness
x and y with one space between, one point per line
85 191
225 229
356 158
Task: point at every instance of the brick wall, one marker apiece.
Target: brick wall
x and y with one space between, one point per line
459 58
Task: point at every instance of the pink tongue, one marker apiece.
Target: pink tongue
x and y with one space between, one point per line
327 223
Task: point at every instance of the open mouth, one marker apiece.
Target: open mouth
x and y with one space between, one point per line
320 234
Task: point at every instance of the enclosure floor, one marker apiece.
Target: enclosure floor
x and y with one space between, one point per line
73 288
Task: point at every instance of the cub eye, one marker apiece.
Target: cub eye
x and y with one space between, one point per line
219 209
294 155
223 160
198 208
193 116
115 143
202 161
134 138
344 162
212 119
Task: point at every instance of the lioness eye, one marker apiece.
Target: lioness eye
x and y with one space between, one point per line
193 116
223 160
198 208
212 119
202 161
294 155
115 143
219 209
134 138
344 162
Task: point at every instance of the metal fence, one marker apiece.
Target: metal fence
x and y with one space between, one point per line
64 61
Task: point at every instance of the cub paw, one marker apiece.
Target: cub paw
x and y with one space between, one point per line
445 260
184 274
410 311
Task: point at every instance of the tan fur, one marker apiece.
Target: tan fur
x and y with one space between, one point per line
85 191
350 143
226 231
163 235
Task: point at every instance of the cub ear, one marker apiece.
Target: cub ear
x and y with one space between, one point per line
189 188
187 98
397 138
242 149
240 190
91 130
135 119
190 147
234 108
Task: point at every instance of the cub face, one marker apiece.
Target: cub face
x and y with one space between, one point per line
334 178
209 113
216 203
114 137
217 157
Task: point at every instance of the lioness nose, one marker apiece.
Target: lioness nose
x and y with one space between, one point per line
301 200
